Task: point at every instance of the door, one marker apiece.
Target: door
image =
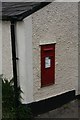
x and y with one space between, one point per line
47 64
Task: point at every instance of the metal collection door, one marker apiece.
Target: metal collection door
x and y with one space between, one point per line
47 64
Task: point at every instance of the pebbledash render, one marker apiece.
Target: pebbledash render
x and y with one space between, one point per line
55 23
58 22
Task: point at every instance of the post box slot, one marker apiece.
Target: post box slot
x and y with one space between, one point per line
48 49
47 56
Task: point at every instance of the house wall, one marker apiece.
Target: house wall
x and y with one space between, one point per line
0 69
79 47
56 22
24 53
6 50
0 47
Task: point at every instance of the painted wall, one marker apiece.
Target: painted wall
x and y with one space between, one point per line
24 52
79 47
56 22
0 69
0 47
6 50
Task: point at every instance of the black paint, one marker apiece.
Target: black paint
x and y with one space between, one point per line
51 103
13 42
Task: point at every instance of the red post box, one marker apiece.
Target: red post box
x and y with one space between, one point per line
47 64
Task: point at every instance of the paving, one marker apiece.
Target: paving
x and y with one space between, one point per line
69 110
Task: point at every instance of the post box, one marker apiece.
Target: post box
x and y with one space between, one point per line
47 64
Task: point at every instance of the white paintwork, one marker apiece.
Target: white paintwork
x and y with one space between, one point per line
24 51
6 50
44 43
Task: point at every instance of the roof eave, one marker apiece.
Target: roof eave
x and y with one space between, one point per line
20 17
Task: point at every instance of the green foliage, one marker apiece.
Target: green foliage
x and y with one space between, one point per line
8 94
8 103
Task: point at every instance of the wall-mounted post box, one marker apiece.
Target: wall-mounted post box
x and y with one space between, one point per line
47 64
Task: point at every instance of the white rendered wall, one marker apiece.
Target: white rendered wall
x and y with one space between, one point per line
56 22
24 52
6 50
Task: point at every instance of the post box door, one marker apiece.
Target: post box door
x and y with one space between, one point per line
47 64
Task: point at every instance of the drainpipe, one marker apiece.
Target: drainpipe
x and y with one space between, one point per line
13 42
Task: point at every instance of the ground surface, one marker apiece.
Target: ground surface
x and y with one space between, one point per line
69 110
